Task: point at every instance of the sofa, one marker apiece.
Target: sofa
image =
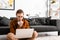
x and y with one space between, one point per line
4 25
39 24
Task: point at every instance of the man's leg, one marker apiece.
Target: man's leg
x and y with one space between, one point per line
35 34
11 36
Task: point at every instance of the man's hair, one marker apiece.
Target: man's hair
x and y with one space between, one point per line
19 11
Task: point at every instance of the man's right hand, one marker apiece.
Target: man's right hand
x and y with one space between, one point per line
20 23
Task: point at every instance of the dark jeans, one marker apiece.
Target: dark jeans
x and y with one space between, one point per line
24 39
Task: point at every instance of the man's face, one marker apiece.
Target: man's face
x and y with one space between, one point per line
20 16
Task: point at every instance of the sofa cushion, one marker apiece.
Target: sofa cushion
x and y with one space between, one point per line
4 21
41 28
0 17
34 21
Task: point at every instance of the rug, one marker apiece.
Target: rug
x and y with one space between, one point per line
3 37
48 38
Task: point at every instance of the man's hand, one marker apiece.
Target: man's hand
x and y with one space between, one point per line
20 23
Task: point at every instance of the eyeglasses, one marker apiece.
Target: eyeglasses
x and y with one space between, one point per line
19 16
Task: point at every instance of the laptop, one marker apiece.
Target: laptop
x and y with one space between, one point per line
24 33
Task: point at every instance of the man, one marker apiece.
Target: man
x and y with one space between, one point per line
19 23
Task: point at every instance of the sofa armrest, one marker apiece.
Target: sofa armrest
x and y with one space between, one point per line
58 24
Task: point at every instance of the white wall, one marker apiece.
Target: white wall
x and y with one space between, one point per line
28 6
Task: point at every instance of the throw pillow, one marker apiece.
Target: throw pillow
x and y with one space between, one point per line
5 21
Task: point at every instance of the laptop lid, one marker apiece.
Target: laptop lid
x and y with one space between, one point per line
24 33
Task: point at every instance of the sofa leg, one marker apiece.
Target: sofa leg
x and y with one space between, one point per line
58 33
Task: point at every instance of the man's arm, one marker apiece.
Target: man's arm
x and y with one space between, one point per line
12 27
27 24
